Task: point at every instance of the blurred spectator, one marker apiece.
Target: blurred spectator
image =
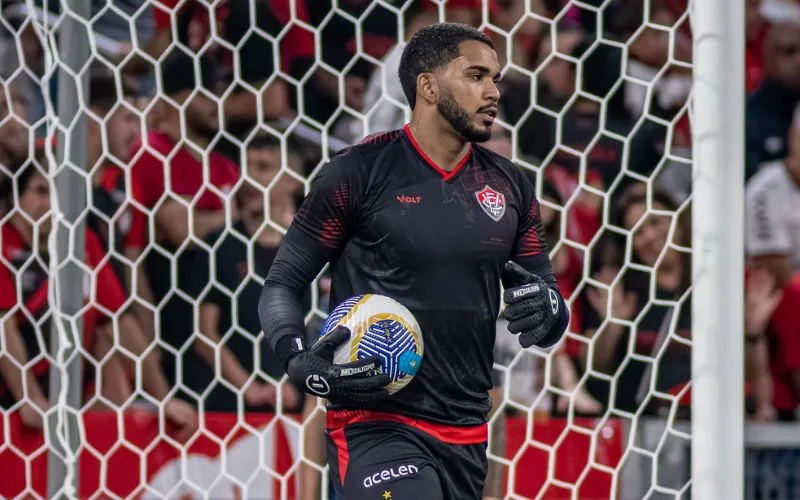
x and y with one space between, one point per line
131 24
236 342
111 134
22 58
773 212
339 47
770 109
591 313
14 130
567 268
668 164
173 167
580 127
556 84
26 317
650 50
629 298
245 71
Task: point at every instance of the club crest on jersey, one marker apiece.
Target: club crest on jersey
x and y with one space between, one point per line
492 202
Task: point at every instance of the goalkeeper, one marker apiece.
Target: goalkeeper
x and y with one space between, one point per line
430 218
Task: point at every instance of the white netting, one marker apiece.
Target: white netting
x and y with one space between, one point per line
233 98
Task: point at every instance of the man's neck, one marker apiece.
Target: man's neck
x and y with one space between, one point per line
438 141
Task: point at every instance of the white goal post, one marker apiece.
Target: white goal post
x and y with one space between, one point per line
718 250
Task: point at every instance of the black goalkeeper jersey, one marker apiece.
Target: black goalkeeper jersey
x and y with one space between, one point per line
391 222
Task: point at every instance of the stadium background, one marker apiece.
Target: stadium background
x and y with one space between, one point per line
205 122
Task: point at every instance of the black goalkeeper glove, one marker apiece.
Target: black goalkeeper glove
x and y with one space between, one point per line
357 382
534 309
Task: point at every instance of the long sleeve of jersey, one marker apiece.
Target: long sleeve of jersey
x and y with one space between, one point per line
531 252
314 238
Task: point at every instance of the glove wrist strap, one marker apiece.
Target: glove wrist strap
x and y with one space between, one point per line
289 345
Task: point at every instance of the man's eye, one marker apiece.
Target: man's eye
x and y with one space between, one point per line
477 78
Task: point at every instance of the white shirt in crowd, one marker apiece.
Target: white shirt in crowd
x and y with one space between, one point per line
392 109
773 214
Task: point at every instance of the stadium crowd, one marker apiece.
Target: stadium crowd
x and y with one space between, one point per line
200 129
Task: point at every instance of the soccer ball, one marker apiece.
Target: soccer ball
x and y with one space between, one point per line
379 326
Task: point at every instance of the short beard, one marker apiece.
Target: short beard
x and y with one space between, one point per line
460 120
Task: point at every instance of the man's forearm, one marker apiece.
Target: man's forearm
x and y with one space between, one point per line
280 308
605 341
132 339
230 367
140 286
12 372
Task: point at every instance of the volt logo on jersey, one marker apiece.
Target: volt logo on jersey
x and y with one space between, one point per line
492 202
413 200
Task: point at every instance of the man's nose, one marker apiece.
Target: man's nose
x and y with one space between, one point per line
492 92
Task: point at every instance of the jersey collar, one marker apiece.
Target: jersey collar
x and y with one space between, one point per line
446 176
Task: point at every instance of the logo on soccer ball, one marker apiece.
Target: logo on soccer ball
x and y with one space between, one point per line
318 385
492 202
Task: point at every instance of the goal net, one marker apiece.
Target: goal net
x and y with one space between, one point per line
153 153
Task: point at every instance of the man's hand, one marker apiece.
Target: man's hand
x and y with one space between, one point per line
258 394
533 308
360 381
33 412
183 416
762 297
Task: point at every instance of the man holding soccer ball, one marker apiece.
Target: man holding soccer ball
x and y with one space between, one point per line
426 216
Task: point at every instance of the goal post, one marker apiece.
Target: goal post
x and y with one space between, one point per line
718 250
67 244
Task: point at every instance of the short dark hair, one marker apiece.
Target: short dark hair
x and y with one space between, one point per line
103 92
22 177
264 140
177 72
432 48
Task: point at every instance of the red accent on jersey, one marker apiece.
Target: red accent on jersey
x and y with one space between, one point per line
444 173
531 242
332 231
452 434
341 197
380 136
338 438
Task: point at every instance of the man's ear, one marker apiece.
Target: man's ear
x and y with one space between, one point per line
427 87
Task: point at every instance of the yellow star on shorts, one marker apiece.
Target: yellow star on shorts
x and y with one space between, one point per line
387 495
